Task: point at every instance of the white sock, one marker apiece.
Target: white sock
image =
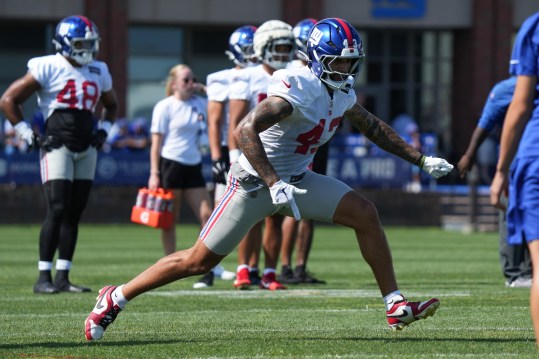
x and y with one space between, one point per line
118 297
242 266
63 264
42 265
392 298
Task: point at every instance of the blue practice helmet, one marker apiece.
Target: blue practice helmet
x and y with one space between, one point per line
331 39
77 38
301 33
240 45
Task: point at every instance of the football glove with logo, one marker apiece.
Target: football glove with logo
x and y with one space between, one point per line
99 138
220 170
47 142
282 195
436 167
24 132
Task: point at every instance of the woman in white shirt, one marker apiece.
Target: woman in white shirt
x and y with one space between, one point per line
178 123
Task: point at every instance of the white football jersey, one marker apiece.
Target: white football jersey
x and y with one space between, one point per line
294 64
251 85
217 85
291 143
217 89
64 86
180 123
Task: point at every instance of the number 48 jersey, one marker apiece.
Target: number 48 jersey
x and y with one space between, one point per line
291 143
64 86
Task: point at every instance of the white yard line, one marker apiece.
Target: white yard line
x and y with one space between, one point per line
301 293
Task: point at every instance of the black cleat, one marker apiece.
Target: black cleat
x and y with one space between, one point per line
205 282
69 287
45 288
306 278
287 276
254 276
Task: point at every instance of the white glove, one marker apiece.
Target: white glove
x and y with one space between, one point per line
282 194
436 167
24 131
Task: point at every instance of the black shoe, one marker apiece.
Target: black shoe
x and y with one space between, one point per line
66 286
287 276
254 277
45 288
306 278
205 282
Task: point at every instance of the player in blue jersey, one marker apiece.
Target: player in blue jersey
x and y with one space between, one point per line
518 164
514 259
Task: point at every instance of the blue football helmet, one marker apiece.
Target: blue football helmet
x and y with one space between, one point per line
77 38
240 45
301 33
332 39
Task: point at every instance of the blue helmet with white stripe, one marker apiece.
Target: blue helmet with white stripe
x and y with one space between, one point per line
240 45
301 33
77 37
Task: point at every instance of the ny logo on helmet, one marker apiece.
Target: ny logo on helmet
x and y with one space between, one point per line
64 28
316 36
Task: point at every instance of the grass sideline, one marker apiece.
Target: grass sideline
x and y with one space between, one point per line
478 316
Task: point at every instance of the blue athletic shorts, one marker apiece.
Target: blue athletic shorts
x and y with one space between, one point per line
523 209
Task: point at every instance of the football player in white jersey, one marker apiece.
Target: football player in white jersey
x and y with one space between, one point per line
301 233
278 140
69 85
274 48
240 51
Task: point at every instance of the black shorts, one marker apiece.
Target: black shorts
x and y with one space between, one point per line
72 127
175 175
224 154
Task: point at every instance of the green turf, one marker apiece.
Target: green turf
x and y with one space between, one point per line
478 316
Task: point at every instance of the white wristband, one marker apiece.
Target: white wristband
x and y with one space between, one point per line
104 125
234 155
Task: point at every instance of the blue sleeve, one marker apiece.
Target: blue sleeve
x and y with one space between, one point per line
497 104
524 58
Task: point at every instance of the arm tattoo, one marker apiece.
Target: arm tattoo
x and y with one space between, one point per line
382 134
263 116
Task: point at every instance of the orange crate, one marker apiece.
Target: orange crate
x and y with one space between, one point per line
152 218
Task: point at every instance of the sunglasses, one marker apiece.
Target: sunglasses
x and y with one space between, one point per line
189 79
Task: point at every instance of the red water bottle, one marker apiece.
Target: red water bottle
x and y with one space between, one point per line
169 201
159 202
142 197
150 202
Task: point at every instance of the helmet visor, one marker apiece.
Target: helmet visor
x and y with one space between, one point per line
84 45
338 68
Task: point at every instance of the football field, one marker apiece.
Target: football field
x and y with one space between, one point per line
345 318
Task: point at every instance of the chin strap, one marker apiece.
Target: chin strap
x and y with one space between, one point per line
348 84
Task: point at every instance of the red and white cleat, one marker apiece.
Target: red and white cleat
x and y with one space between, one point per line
270 282
404 313
242 280
103 314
